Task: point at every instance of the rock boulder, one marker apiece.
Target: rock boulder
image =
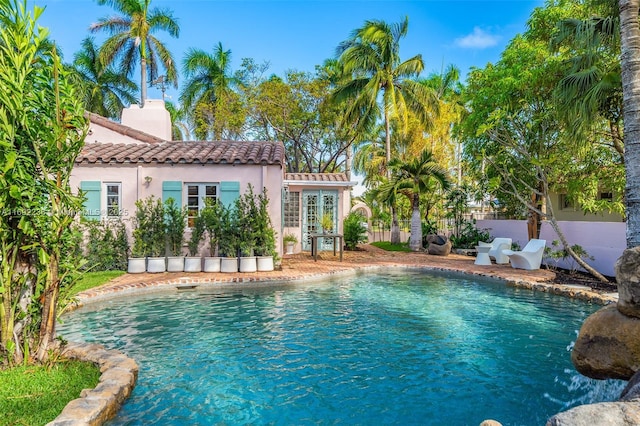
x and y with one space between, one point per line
628 277
608 346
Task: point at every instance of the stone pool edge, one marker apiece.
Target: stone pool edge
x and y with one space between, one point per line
118 377
119 373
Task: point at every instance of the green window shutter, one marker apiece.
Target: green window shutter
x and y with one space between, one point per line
172 189
229 193
91 206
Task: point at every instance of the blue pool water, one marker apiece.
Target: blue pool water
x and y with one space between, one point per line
396 348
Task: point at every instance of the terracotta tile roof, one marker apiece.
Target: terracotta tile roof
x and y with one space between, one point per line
209 152
122 129
317 177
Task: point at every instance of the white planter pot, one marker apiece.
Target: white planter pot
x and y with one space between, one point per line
248 264
290 247
156 265
211 264
175 263
136 265
193 264
265 263
228 264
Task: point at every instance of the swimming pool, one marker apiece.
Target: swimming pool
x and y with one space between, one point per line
393 348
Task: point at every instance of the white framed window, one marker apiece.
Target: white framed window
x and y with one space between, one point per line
196 194
113 198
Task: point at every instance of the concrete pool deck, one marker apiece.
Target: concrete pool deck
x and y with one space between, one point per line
301 267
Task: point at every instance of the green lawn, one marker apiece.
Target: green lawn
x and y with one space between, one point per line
35 395
94 279
385 245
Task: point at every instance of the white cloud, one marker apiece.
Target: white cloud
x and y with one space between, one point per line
479 39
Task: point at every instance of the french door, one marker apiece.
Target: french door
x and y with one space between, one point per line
316 204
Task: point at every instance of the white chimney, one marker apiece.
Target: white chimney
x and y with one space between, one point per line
152 118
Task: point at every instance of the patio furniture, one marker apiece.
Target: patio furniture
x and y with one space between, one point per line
315 242
498 245
530 257
482 258
438 245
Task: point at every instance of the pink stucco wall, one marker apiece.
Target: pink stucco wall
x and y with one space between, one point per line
135 186
604 241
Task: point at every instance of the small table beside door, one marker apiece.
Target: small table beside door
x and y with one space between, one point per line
315 240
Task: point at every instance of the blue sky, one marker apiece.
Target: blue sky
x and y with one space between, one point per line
299 34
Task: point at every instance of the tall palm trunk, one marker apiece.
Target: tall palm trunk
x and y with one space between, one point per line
143 81
415 242
395 227
630 64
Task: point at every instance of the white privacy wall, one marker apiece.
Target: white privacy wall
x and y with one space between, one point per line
604 241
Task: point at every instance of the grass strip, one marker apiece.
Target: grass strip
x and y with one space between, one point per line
35 395
90 280
386 245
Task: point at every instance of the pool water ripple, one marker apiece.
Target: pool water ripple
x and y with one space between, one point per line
394 348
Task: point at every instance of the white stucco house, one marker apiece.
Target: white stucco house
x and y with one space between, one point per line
128 161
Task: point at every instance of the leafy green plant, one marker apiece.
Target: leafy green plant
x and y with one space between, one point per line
469 236
354 230
210 219
107 246
174 221
289 238
228 239
264 232
149 233
555 254
326 222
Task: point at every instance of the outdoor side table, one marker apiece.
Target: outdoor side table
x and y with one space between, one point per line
315 240
482 258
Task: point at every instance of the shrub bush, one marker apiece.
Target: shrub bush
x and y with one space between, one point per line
354 230
106 247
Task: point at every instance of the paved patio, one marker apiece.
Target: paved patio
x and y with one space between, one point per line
302 266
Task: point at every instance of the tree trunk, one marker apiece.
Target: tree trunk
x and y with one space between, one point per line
415 243
49 305
630 65
578 259
143 81
395 227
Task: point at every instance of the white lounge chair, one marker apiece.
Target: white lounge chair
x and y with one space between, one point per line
498 245
530 257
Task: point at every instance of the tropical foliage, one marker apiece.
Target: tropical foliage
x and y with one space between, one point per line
131 42
42 130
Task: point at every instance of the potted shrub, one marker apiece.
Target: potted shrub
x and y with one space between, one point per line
228 241
289 241
157 235
326 223
212 224
149 234
174 217
265 235
246 213
193 262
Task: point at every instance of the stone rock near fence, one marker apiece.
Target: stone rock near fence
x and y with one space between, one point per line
608 346
604 413
628 277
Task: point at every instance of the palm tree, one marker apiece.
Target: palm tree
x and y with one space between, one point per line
371 56
630 65
131 39
105 92
209 80
412 178
591 88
